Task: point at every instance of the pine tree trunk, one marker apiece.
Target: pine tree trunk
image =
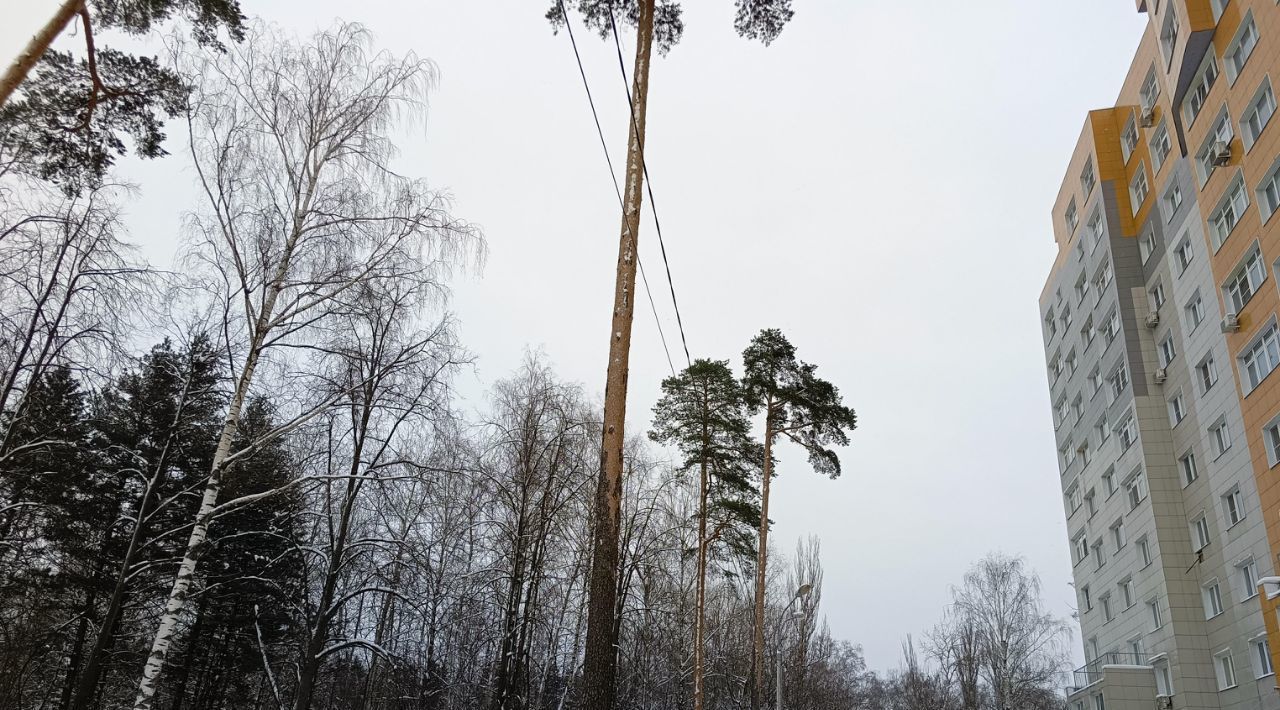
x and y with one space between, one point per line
35 49
601 660
762 558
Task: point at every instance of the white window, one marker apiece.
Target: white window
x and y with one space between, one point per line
1109 481
1128 432
1129 138
1258 115
1241 47
1072 217
1207 373
1212 599
1233 506
1183 255
1147 246
1167 351
1105 275
1160 147
1247 573
1077 407
1138 188
1261 357
1099 556
1065 318
1068 453
1087 176
1229 211
1119 380
1126 593
1271 436
1164 680
1096 230
1080 550
1245 280
1153 610
1111 328
1220 437
1199 91
1099 703
1195 311
1172 201
1217 6
1261 657
1150 89
1050 324
1189 471
1226 670
1072 362
1144 550
1200 532
1137 650
1073 499
1169 33
1157 296
1090 503
1060 412
1269 193
1177 409
1105 602
1094 380
1137 489
1118 538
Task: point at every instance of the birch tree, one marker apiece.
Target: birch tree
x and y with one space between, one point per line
292 147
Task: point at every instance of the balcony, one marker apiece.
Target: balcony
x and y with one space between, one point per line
1091 672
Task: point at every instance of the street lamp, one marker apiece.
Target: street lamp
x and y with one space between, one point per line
803 591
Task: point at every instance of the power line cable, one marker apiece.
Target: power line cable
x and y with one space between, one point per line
648 183
618 191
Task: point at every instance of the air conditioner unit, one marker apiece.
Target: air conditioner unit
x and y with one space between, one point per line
1153 319
1164 701
1148 116
1230 323
1161 375
1220 154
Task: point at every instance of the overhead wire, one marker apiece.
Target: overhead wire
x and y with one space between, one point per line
618 191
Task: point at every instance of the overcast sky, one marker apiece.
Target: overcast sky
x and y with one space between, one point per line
877 184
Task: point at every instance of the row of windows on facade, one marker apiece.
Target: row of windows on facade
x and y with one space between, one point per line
1223 664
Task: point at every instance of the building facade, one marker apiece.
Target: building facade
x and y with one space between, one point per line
1160 330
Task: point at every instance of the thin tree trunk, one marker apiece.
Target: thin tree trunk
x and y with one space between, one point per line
35 49
601 660
762 558
700 594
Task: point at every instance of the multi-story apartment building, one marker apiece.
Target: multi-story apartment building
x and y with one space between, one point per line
1160 329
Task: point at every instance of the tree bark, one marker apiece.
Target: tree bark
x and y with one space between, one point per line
700 590
35 49
601 659
762 558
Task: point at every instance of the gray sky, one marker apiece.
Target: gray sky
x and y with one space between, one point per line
877 184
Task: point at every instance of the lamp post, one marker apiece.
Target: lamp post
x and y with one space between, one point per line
803 591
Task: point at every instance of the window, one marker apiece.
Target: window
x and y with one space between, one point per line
1160 147
1153 611
1126 593
1072 217
1119 380
1105 274
1271 436
1261 357
1109 481
1144 550
1233 506
1257 115
1182 256
1094 380
1128 432
1087 176
1136 487
1245 280
1073 499
1072 362
1177 409
1200 532
1129 138
1220 135
1104 601
1207 373
1228 213
1103 429
1096 229
1099 703
1086 600
1164 681
1082 288
1068 455
1080 551
1199 91
1240 49
1138 188
1090 503
1220 437
1269 193
1157 296
1226 670
1261 657
1060 413
1217 6
1169 33
1083 450
1195 311
1050 324
1065 318
1247 573
1188 466
1150 89
1172 201
1167 351
1147 246
1111 328
1099 556
1137 650
1118 537
1212 595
